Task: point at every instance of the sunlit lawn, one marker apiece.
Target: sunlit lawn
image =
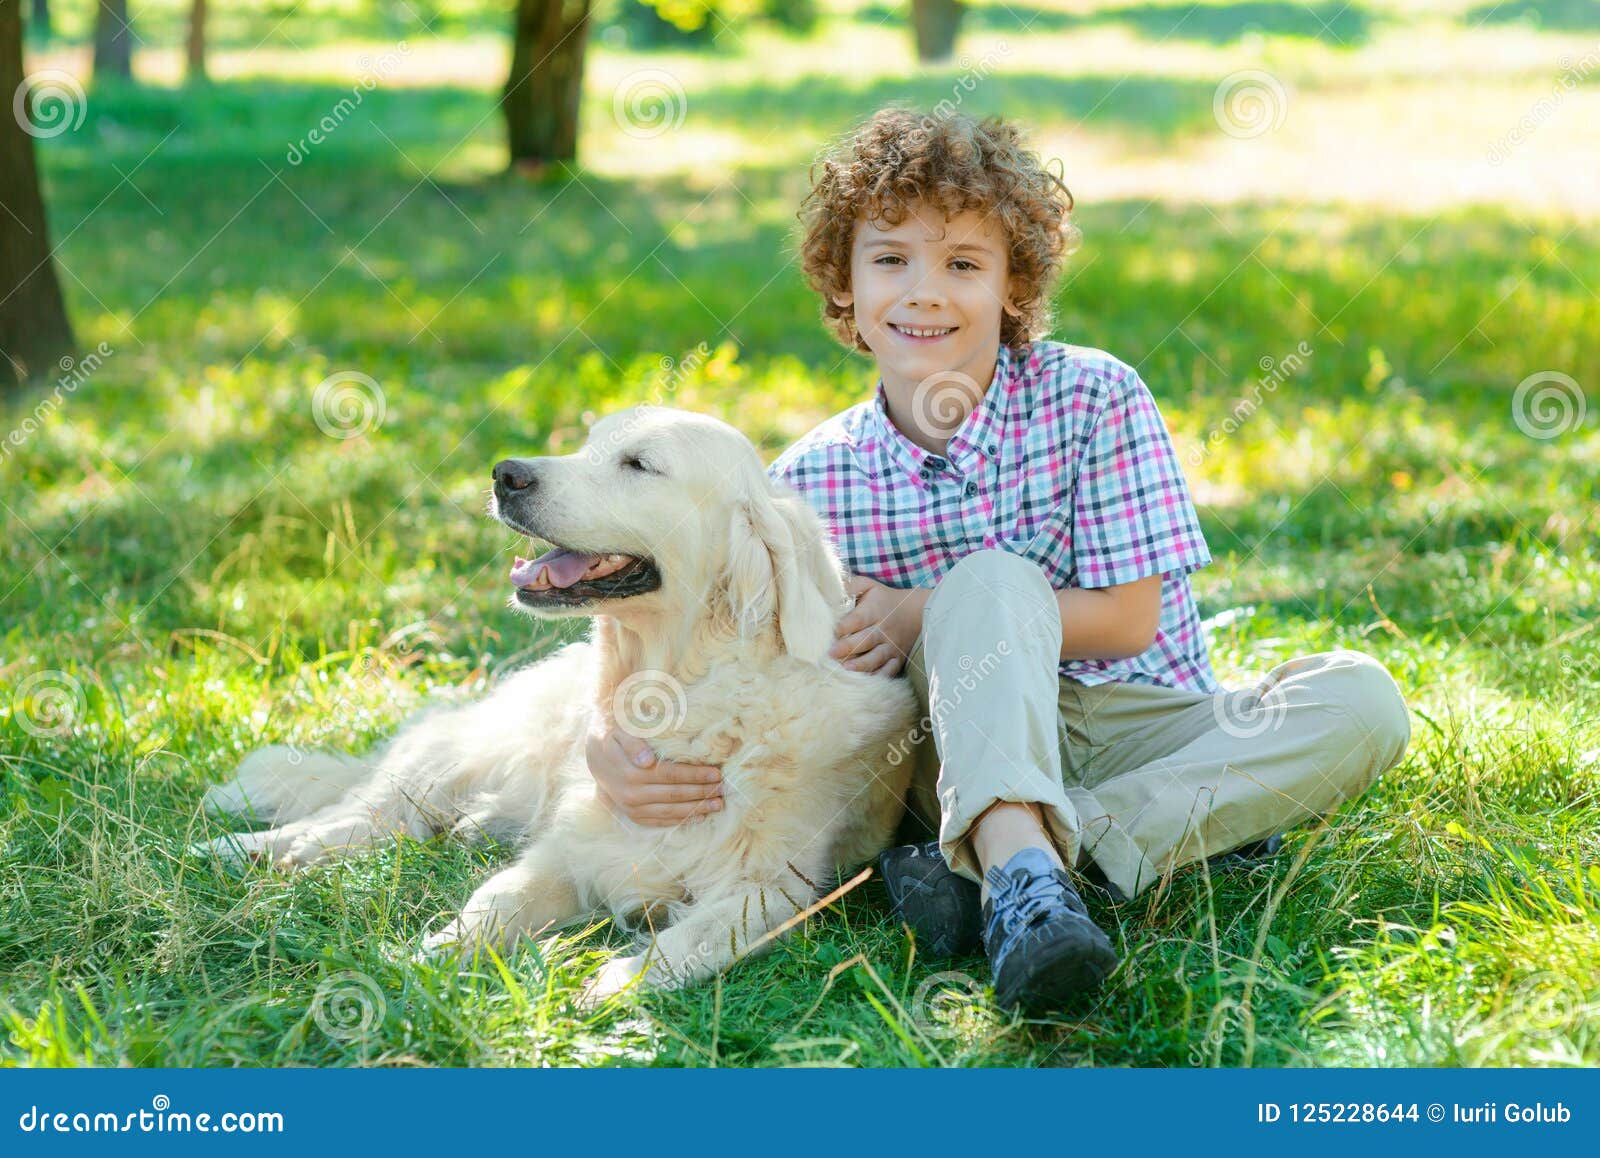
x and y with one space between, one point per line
191 567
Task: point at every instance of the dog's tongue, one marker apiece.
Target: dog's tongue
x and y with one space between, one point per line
565 568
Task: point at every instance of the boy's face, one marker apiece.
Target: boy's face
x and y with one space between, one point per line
928 293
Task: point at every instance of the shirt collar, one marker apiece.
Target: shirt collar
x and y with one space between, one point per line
975 441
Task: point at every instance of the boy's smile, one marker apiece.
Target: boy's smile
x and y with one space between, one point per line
928 295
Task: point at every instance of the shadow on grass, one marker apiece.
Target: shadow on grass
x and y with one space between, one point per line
1143 109
278 122
496 313
1551 15
1333 23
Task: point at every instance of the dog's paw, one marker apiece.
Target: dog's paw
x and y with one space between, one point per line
445 945
616 976
460 940
233 850
303 853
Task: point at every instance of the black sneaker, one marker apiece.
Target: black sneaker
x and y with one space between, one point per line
1043 948
1246 854
941 906
944 909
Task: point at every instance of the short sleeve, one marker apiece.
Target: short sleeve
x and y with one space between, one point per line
790 467
1132 516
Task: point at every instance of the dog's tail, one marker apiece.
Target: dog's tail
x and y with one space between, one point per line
277 785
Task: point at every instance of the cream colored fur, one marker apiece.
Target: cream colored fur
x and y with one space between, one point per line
733 643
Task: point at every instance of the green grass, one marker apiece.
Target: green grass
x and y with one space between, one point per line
190 568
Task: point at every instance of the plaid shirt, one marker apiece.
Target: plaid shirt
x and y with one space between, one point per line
1065 461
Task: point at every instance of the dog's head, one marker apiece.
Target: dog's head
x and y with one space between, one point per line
663 512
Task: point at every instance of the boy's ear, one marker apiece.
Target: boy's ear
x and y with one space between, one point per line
844 300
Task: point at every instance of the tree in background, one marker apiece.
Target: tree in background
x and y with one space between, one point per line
935 24
113 40
34 331
542 94
548 41
39 20
196 56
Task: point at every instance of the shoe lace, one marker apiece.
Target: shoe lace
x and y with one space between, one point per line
1022 899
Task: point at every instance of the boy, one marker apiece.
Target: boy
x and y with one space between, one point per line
1019 537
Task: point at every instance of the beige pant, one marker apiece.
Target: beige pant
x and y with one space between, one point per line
1138 778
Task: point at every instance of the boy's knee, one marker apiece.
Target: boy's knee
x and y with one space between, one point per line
1365 689
988 575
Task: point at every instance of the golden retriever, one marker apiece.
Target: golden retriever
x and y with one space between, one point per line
714 592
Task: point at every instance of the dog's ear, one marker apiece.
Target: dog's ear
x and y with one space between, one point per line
781 564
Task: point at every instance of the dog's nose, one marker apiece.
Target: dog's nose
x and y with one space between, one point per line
513 474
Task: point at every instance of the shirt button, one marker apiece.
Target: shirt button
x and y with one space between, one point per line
972 489
934 463
992 448
926 474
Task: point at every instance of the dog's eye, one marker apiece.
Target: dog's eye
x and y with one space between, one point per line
634 462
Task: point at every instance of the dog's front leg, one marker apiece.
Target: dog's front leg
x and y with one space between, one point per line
528 897
711 935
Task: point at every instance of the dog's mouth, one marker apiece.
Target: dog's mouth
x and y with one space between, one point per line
565 576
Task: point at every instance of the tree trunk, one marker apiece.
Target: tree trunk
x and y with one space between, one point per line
39 21
34 331
197 41
935 23
542 93
113 41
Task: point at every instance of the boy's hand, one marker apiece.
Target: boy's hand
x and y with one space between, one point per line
648 790
878 635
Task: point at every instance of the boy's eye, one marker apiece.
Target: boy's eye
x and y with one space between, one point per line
963 264
888 257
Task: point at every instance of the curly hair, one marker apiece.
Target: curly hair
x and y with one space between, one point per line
897 158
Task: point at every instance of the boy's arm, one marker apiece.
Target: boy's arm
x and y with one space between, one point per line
1109 622
1133 522
1096 623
